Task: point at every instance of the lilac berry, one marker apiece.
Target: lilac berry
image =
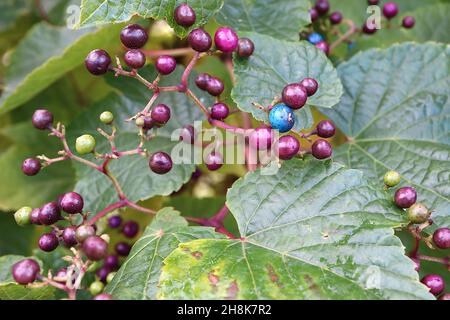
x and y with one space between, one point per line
112 262
441 238
215 86
325 129
314 14
323 46
34 216
336 17
48 242
202 80
321 149
200 40
165 64
72 203
214 161
102 273
25 271
310 85
134 36
160 113
245 47
408 22
294 95
135 59
49 213
160 162
103 296
61 275
434 282
219 111
148 123
97 62
114 222
226 39
390 10
122 249
261 138
130 229
288 147
95 248
42 119
83 232
322 6
405 197
69 236
184 15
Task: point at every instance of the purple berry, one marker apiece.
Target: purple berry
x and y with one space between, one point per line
408 22
130 229
83 232
373 2
114 222
160 162
294 95
133 36
405 197
225 39
323 46
69 236
61 275
390 10
261 138
48 242
49 213
122 249
310 85
34 216
325 129
102 273
288 147
148 123
71 203
245 47
160 113
336 17
200 40
184 15
441 238
188 134
445 296
214 161
112 262
215 86
103 296
31 166
321 149
322 6
314 14
434 282
95 248
25 271
165 64
369 28
42 119
135 59
202 80
219 111
97 62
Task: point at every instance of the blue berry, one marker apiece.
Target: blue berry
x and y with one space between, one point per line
281 118
315 38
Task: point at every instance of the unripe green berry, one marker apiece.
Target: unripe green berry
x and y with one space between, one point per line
23 216
106 117
110 277
392 178
96 287
85 144
140 122
418 213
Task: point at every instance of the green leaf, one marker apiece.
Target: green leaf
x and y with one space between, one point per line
315 230
13 291
396 114
11 10
14 239
138 276
94 12
44 55
276 63
280 19
132 172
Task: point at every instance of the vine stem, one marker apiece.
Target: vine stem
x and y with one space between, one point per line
345 36
444 261
171 52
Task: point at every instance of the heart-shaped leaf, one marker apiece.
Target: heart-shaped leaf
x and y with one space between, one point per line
315 230
396 115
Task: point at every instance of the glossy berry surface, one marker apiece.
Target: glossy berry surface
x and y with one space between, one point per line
281 118
288 147
322 6
72 203
214 161
97 62
106 117
408 22
160 163
261 138
165 64
83 232
114 222
23 216
95 248
219 111
325 129
215 86
25 271
112 262
324 47
134 59
69 236
160 113
225 39
200 40
103 296
294 95
245 47
148 123
315 38
122 249
336 17
311 86
313 14
321 149
42 119
133 36
184 15
48 242
34 216
418 213
187 134
31 166
390 10
441 238
49 213
85 144
434 282
130 229
391 178
405 197
201 81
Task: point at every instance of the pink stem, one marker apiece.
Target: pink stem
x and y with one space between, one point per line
108 209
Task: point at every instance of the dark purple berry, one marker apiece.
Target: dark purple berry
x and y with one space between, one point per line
187 134
34 216
219 111
336 17
434 282
49 213
184 15
373 2
325 129
102 273
225 39
321 149
25 271
72 203
405 197
261 138
408 22
95 248
160 162
202 80
148 123
97 62
322 6
69 236
160 113
288 147
123 249
135 59
441 238
369 28
310 85
130 229
165 64
215 86
314 14
112 262
42 119
114 222
323 46
61 275
134 36
390 10
294 95
103 296
48 242
245 47
214 161
83 232
200 40
31 166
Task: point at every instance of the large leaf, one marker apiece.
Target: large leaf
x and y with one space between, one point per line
44 55
315 230
396 115
273 65
281 19
14 239
137 278
11 10
94 12
133 173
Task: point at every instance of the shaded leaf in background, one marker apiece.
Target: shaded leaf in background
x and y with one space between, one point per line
11 10
13 238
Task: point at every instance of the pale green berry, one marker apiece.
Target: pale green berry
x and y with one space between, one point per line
107 117
140 122
23 216
85 144
418 213
110 277
392 178
96 287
